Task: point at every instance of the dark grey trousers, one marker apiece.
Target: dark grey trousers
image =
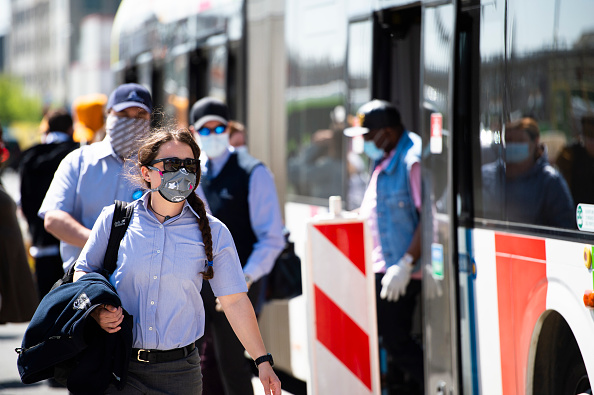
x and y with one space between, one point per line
181 377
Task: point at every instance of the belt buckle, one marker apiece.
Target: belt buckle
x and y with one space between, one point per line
138 355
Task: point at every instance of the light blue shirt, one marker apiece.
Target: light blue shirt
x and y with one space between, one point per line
265 216
88 179
158 272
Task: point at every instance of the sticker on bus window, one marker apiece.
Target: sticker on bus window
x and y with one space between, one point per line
584 215
437 260
436 141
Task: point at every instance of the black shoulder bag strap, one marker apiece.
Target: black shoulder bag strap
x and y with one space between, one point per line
121 219
119 224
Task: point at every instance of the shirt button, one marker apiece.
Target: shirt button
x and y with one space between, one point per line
150 328
152 302
161 226
158 251
154 277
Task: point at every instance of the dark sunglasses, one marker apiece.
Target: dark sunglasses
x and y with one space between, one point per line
174 164
204 131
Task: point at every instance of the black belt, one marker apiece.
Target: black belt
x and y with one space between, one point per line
156 356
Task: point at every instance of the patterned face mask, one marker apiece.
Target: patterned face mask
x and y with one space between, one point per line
175 186
125 133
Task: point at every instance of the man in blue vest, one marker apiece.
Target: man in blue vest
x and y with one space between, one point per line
240 191
392 204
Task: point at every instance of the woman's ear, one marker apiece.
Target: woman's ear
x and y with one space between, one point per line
145 174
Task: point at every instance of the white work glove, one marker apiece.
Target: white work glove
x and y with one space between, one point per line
397 278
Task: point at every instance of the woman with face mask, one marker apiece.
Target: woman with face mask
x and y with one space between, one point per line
170 246
523 186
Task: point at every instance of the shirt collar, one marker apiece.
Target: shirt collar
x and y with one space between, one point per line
389 164
216 164
104 149
57 137
145 201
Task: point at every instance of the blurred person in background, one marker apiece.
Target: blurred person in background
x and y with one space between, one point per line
531 191
576 163
237 136
89 119
240 191
93 176
17 301
37 168
392 206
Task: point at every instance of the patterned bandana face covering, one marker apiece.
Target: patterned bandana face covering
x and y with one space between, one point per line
125 133
175 186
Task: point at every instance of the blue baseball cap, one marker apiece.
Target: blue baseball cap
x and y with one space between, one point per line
130 95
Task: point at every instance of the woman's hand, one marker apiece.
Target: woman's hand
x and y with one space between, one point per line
108 317
271 383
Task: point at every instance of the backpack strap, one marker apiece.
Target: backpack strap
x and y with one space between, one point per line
121 219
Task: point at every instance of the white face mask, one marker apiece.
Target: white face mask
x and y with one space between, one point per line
214 145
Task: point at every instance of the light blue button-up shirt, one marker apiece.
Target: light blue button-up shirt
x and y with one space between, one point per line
265 215
88 179
158 272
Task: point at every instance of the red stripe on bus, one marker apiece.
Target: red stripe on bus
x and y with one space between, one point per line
521 292
527 247
348 238
342 337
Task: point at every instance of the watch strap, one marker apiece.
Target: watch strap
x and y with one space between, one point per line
264 358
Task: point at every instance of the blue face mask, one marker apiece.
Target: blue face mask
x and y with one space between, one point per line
372 151
517 152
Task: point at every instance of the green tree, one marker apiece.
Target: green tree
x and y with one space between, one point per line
15 105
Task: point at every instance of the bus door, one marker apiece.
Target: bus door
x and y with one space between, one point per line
438 215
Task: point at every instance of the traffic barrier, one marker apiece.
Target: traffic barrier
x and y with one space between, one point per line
339 289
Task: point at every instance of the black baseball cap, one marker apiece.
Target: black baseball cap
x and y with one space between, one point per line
208 109
375 114
130 95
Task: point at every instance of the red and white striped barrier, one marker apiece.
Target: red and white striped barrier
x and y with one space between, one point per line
339 289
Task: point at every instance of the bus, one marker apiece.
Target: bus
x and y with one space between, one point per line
503 305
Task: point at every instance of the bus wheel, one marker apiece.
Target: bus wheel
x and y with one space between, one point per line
578 382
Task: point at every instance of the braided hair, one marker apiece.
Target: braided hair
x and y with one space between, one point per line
149 148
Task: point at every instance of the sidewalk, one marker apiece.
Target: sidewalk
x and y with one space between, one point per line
11 336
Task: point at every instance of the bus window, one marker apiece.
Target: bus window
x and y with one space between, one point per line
359 60
176 91
536 100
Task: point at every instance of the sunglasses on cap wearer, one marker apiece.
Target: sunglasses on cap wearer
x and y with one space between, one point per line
204 131
174 164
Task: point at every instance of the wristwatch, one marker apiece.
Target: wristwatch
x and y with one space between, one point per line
264 358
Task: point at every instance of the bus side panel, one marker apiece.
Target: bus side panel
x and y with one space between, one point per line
487 313
568 279
522 284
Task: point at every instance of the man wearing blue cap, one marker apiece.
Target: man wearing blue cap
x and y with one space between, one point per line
91 177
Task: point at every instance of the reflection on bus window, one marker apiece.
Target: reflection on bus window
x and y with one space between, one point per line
525 184
576 162
542 71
